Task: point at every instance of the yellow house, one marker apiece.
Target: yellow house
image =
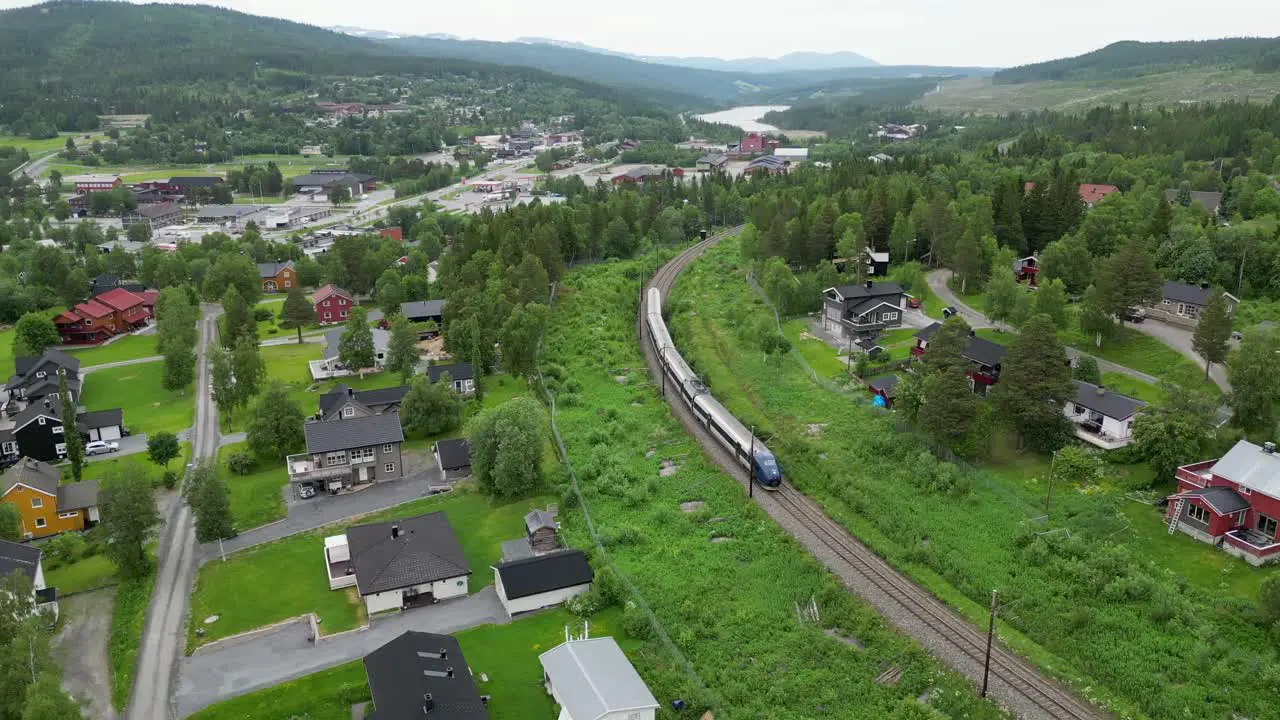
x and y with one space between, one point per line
45 506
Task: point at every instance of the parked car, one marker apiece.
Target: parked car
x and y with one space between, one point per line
913 302
1134 315
306 492
101 447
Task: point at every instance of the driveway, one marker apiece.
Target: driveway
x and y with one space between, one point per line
131 445
236 667
81 645
1180 339
324 510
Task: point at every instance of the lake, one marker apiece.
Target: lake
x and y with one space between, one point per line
745 117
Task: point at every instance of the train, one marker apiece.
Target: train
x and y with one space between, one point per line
747 450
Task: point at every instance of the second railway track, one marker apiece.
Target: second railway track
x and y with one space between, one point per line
914 610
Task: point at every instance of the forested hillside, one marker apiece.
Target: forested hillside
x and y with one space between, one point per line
1131 59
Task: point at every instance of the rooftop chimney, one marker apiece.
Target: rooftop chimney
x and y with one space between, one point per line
395 531
46 404
1269 448
428 703
1204 286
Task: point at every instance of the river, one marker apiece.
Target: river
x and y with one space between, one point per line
746 117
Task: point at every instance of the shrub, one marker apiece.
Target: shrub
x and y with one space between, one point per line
240 463
170 479
586 604
65 548
635 622
273 330
263 314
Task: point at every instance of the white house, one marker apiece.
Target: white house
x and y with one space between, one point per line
1102 417
795 155
542 581
592 679
399 564
25 559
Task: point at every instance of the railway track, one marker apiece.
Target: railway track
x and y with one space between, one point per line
914 610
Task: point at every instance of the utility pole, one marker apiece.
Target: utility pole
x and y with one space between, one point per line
1048 498
991 631
751 466
848 358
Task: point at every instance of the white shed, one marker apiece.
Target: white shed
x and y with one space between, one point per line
592 679
542 581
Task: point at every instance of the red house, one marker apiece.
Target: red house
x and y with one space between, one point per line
1232 502
103 317
85 184
987 357
1026 269
1091 194
332 305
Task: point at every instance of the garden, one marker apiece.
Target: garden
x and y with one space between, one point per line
1097 594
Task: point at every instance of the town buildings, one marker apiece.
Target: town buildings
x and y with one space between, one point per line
1181 304
104 316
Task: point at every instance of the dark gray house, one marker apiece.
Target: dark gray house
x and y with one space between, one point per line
36 377
855 311
344 402
453 457
1181 304
420 674
462 374
40 433
348 453
1210 201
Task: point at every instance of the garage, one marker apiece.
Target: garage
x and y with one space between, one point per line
102 424
542 581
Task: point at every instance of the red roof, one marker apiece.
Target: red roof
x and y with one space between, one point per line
137 314
329 291
1093 193
93 309
66 316
119 298
148 297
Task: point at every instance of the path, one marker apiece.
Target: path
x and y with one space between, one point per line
81 645
938 284
121 363
236 667
324 510
163 639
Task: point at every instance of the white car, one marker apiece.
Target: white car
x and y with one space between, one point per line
100 447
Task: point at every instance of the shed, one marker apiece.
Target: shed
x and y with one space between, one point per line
542 581
541 527
453 457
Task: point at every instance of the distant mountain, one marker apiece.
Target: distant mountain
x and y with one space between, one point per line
791 62
362 32
1133 59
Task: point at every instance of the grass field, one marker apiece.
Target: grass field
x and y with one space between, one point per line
136 389
136 464
88 573
130 347
256 498
1133 387
127 620
290 166
989 531
40 147
981 95
294 567
507 654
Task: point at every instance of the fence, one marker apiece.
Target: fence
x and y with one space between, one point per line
633 592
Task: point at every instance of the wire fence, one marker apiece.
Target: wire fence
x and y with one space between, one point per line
633 593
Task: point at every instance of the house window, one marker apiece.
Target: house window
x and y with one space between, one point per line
57 429
61 449
1266 526
41 374
335 458
389 467
10 448
348 412
68 515
1197 513
343 313
288 284
888 316
387 448
362 455
40 522
328 316
39 421
1244 490
325 303
37 502
1166 301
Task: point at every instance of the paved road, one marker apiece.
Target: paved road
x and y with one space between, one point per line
241 666
163 638
122 363
81 645
938 283
323 510
1180 340
128 446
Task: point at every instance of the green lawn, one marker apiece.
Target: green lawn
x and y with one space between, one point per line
39 147
507 654
127 620
288 364
256 498
294 568
130 347
88 573
1133 387
6 351
136 389
134 464
820 356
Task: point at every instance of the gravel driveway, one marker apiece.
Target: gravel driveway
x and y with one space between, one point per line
81 645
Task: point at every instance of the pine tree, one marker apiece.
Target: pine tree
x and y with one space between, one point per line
1034 384
297 313
1128 279
389 292
355 347
1161 221
950 408
1213 332
237 318
947 346
70 428
1086 370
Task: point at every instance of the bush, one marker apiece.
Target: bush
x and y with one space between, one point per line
65 549
273 330
263 314
170 479
240 463
635 622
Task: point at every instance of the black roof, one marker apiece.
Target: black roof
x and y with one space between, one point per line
24 365
884 384
368 398
862 292
544 573
356 432
454 454
927 333
100 419
457 371
15 557
423 308
1224 500
415 665
423 550
1109 403
982 350
1184 293
196 180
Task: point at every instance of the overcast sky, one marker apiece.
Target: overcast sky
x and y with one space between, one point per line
933 32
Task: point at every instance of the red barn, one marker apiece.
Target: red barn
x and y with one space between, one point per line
103 317
85 184
752 143
332 304
1232 502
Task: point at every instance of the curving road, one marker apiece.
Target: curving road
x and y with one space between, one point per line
163 638
1014 682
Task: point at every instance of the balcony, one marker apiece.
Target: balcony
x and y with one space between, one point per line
1196 474
305 468
1254 547
1091 432
337 559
